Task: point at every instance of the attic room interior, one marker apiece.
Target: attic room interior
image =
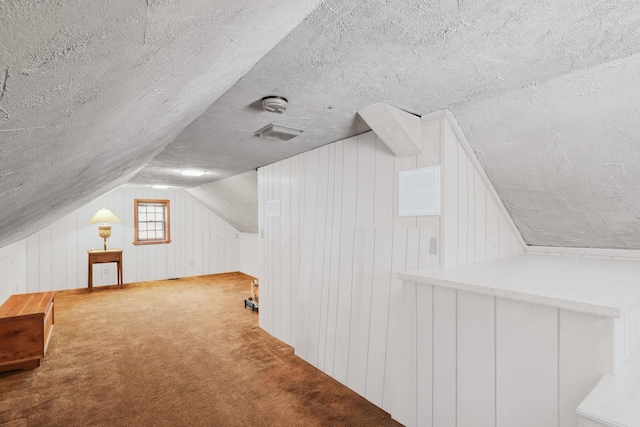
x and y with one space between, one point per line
438 198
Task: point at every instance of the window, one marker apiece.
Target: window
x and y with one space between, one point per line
151 222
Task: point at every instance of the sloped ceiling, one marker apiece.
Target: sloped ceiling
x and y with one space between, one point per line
565 156
235 199
135 92
92 91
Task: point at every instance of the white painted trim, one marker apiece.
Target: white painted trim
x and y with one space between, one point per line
457 129
585 252
399 130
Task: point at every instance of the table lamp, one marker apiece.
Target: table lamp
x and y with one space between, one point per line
103 217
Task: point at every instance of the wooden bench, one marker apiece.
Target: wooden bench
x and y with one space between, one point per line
26 325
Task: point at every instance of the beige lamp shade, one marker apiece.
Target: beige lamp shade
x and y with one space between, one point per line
103 216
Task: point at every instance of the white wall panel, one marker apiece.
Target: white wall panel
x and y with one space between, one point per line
585 354
294 265
444 356
424 355
274 296
334 263
476 360
363 250
13 270
450 199
310 173
318 230
250 254
366 173
323 314
397 399
526 362
464 215
285 251
383 186
343 316
378 330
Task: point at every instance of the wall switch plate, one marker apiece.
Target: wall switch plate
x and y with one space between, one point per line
433 246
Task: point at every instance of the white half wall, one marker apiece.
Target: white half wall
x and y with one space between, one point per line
55 258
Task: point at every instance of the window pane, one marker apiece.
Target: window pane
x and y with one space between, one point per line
153 225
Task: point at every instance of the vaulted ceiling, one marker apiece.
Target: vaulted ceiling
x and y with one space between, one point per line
96 95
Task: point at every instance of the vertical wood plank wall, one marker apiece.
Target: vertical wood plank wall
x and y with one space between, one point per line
249 254
474 229
13 270
55 258
330 262
496 362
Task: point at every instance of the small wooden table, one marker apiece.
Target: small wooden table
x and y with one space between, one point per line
100 256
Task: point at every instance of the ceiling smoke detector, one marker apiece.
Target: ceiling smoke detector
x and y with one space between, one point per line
274 104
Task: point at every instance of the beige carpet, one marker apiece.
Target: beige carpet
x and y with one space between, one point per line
173 353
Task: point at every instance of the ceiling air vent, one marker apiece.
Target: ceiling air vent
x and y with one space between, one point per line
278 132
420 192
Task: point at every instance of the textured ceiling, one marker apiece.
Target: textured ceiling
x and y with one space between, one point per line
94 90
235 199
96 94
565 156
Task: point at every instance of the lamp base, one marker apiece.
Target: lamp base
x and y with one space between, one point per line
105 232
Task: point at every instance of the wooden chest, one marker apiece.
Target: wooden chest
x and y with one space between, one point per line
26 325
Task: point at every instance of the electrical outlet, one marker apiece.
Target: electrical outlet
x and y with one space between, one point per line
433 246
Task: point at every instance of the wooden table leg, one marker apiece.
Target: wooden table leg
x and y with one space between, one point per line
90 276
120 274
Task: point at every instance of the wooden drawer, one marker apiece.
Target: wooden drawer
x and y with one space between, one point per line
102 258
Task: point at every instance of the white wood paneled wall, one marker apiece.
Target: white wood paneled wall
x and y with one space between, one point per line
331 199
330 260
249 254
279 242
13 270
55 258
475 227
485 361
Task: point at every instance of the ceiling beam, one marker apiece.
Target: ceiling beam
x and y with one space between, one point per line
401 131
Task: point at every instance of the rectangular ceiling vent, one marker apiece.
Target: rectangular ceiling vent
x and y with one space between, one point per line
420 192
278 132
